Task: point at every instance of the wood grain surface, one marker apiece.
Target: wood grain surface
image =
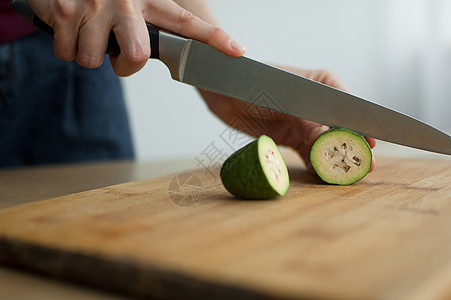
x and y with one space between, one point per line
182 235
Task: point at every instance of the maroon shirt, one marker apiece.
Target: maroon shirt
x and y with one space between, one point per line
12 26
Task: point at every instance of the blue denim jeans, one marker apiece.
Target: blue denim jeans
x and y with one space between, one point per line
53 111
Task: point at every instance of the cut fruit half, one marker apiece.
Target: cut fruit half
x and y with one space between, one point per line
256 171
341 156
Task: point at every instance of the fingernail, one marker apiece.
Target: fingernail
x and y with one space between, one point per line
324 128
320 130
236 45
315 133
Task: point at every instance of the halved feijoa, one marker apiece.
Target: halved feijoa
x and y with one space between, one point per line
341 156
256 171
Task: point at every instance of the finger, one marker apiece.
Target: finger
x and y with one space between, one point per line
322 76
331 79
64 18
170 16
133 39
373 164
306 133
305 154
371 142
310 131
65 40
92 44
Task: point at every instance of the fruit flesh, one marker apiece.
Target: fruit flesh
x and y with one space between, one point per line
256 171
273 165
341 156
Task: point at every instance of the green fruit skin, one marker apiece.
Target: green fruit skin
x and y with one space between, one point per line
242 175
312 160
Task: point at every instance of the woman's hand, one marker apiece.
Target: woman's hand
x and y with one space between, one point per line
82 28
284 129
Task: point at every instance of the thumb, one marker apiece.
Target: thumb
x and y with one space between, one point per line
308 133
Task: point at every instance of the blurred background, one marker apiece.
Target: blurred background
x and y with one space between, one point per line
394 52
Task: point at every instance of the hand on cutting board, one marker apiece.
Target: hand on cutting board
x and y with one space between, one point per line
82 27
283 129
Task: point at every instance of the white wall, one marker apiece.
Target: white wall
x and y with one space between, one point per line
393 52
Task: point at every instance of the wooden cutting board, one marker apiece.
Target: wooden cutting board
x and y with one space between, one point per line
183 236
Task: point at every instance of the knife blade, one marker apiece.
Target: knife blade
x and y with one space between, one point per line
195 63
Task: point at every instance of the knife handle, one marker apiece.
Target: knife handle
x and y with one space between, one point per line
23 9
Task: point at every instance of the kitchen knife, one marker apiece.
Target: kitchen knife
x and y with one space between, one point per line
195 63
